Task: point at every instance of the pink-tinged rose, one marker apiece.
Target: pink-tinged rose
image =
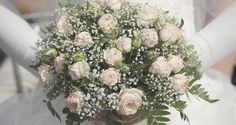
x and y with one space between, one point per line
170 33
110 77
79 70
176 63
130 101
45 74
83 39
161 67
149 37
147 15
107 23
180 83
75 102
124 44
112 56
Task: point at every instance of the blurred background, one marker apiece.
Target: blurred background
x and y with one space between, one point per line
16 81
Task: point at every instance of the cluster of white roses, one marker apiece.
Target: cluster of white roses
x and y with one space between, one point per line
164 67
108 54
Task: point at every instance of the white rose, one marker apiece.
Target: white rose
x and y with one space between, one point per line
161 67
110 77
79 70
149 37
170 32
63 24
114 4
130 101
112 56
59 64
107 23
45 74
176 63
147 15
124 44
180 83
75 102
83 39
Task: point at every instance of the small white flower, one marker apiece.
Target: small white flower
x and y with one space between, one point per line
176 63
112 56
114 4
83 39
147 15
75 102
124 44
161 67
180 83
130 101
110 77
170 32
45 74
59 64
63 24
79 70
149 37
107 23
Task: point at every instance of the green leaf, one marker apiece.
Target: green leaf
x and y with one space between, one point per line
52 110
113 119
121 66
163 112
184 117
161 107
179 105
181 23
66 110
137 43
143 114
163 119
79 56
52 52
74 119
200 92
151 54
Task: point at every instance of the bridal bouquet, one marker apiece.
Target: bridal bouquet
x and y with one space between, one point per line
119 58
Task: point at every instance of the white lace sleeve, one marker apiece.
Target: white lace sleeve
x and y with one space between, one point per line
17 38
218 38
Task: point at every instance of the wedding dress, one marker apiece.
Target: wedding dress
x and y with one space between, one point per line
209 43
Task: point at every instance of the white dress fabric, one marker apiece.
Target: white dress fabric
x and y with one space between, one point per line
32 111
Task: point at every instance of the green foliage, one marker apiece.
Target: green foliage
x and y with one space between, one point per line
200 92
180 105
156 116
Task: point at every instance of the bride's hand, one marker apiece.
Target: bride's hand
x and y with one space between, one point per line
17 39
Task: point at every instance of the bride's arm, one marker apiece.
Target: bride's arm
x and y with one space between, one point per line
217 39
17 39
